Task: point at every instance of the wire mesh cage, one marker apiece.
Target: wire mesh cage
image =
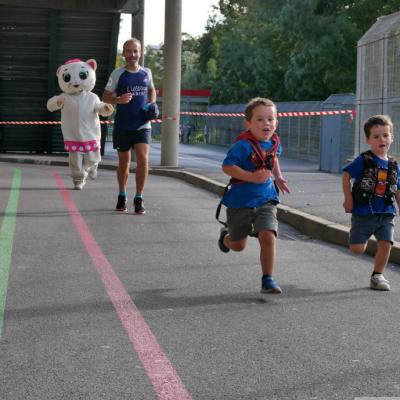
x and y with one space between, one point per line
378 76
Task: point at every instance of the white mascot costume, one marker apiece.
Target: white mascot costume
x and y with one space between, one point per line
80 109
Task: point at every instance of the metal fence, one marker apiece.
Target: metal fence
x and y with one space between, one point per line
192 130
300 137
304 131
326 139
378 84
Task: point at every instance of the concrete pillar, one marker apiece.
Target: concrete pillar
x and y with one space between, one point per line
138 26
171 83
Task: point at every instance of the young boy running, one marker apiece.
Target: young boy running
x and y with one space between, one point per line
252 197
371 199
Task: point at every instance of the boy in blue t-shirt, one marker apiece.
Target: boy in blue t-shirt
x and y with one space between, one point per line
371 198
252 198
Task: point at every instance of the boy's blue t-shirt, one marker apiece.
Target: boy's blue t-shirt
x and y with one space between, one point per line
377 204
247 194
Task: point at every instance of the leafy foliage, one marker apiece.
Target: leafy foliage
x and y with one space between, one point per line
286 50
153 59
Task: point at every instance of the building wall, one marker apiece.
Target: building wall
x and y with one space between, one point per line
33 43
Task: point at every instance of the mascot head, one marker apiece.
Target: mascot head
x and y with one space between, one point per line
76 76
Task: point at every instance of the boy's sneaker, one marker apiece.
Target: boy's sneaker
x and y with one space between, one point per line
221 245
138 203
121 203
268 285
378 282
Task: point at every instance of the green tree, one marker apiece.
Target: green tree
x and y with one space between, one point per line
153 59
323 37
287 50
192 77
245 62
120 61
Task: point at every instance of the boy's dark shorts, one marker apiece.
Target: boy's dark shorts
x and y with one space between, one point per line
379 225
243 222
125 140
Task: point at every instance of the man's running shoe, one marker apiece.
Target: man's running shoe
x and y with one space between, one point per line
268 285
121 203
138 203
221 245
378 282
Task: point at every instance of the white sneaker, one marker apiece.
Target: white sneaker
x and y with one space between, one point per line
79 185
93 174
378 282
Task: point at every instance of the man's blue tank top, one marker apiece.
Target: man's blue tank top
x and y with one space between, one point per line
130 116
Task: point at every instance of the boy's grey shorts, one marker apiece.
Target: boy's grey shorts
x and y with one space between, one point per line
363 227
243 222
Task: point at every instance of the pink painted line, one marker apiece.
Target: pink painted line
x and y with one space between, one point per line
166 382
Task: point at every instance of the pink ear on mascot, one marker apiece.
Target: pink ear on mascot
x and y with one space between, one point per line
92 63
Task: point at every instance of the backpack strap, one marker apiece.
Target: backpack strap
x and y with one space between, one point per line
364 190
268 160
391 183
218 210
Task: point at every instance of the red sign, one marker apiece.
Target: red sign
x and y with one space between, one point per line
190 92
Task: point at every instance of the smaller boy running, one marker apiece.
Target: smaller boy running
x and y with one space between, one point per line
371 199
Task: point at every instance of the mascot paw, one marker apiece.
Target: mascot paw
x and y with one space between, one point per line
60 101
108 108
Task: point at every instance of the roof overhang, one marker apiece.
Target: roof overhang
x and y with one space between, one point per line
120 6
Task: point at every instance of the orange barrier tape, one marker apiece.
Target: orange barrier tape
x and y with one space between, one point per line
280 114
52 122
203 114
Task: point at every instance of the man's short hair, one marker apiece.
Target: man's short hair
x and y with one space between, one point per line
253 103
383 120
131 40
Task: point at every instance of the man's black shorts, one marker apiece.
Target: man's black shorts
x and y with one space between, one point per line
125 140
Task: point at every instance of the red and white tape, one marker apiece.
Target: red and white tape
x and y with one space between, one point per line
280 114
203 114
30 122
51 122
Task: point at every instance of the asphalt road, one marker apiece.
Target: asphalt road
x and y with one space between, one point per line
102 305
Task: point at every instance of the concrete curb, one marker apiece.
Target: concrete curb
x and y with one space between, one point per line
199 181
310 225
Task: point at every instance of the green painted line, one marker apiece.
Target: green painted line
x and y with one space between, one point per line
7 239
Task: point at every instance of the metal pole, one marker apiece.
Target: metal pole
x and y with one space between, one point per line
138 27
137 30
171 83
